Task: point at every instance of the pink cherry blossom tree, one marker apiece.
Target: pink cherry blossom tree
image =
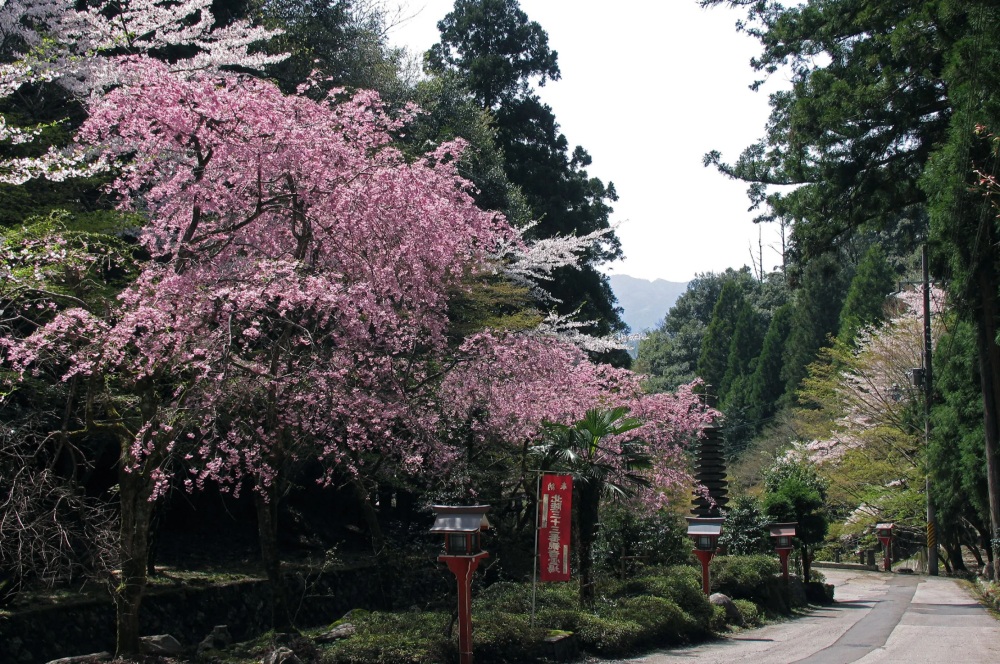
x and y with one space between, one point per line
296 300
507 386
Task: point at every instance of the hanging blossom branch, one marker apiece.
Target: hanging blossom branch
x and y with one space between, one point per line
83 51
571 331
84 46
527 263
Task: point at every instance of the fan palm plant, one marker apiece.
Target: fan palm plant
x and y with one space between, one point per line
602 465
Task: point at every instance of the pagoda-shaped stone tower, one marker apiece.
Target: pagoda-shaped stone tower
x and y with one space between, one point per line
710 470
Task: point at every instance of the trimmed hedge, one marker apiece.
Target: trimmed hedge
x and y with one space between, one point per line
743 577
679 583
664 606
750 612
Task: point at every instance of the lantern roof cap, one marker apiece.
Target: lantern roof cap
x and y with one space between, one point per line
783 529
459 519
704 525
884 526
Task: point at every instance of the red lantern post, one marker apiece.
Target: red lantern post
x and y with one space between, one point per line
705 532
783 534
884 531
461 528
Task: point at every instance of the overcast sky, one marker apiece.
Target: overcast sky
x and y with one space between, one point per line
647 88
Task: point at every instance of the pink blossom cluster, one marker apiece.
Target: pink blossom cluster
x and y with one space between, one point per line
507 386
298 296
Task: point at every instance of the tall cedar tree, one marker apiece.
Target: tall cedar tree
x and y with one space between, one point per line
744 347
955 454
736 405
815 316
766 385
865 302
499 52
715 346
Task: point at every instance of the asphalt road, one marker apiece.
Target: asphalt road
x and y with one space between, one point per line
878 618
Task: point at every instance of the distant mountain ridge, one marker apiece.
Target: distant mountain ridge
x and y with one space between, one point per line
645 302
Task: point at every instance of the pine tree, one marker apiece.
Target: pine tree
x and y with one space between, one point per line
499 53
865 301
714 358
815 316
767 386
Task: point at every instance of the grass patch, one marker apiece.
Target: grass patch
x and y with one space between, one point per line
989 593
394 638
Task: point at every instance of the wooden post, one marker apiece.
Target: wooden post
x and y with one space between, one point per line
463 567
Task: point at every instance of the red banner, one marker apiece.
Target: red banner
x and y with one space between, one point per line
555 503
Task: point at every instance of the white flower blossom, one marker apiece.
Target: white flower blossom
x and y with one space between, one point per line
81 50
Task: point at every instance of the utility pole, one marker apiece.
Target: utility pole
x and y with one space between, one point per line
932 549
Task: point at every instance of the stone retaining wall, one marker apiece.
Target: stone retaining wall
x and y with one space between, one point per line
188 613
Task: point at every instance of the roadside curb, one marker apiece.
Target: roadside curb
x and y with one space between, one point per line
830 565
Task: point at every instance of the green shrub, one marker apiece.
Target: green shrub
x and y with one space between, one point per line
819 593
718 620
664 607
609 636
502 637
745 531
750 612
663 620
504 596
628 541
516 597
743 577
679 583
567 620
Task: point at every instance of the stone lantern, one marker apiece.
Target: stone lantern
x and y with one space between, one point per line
461 527
884 531
705 532
783 534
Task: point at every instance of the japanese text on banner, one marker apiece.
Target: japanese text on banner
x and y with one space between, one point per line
555 503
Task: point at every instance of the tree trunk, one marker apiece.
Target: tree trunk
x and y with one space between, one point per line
589 513
989 361
953 547
267 532
136 510
370 516
387 571
806 564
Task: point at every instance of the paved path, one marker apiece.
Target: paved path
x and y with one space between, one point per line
878 618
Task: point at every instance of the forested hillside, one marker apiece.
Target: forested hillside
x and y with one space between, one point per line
883 145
